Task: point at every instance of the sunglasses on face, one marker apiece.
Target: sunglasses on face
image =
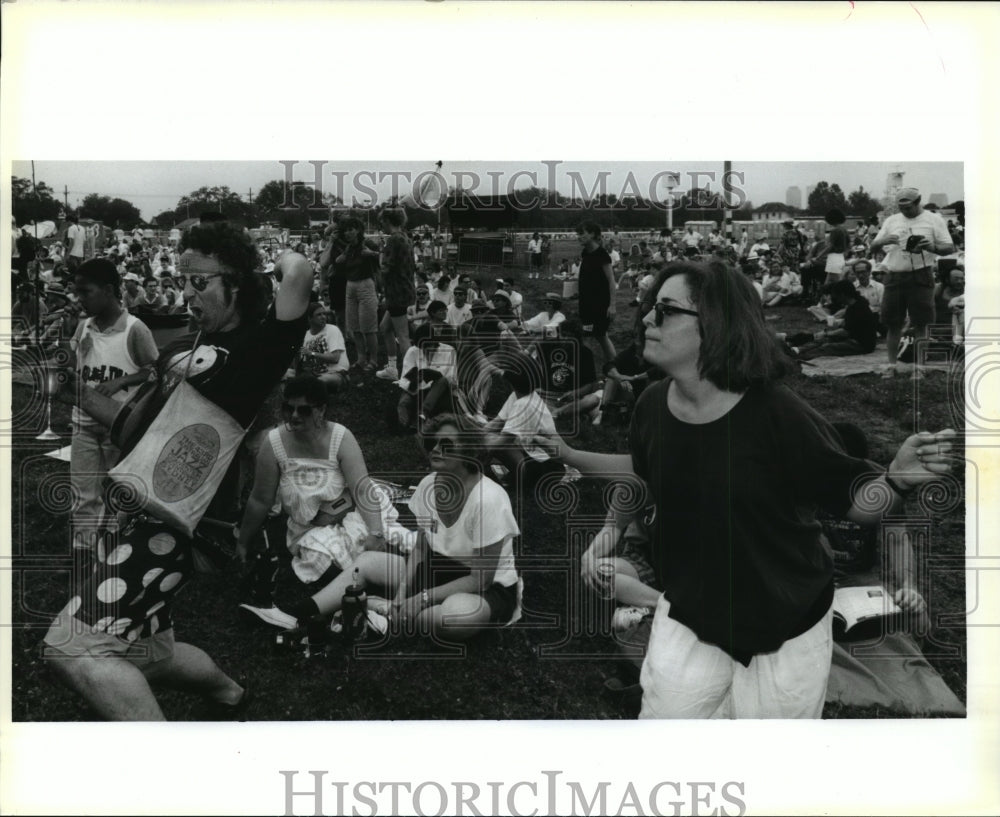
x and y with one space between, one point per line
199 280
301 411
445 444
663 310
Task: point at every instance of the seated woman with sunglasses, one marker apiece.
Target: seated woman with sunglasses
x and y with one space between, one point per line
316 470
736 465
461 577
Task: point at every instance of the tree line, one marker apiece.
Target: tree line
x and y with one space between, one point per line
294 205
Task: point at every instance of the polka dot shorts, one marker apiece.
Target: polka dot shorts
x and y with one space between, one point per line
128 595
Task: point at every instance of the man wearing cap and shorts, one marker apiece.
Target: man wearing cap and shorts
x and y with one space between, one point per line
597 287
911 238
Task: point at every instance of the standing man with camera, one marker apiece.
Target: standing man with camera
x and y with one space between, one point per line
911 238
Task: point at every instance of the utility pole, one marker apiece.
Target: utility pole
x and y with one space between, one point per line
66 197
727 213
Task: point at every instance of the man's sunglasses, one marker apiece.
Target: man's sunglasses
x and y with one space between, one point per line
199 280
301 411
663 310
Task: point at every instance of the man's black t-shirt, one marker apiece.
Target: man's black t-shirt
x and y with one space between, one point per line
566 365
237 370
861 324
630 362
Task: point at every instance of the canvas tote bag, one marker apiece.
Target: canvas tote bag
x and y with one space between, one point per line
177 466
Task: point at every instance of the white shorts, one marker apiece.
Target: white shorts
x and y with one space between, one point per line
834 263
683 677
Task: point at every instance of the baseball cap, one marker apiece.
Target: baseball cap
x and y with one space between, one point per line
907 195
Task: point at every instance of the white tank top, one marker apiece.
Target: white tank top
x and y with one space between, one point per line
103 356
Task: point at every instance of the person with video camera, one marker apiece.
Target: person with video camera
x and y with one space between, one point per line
911 238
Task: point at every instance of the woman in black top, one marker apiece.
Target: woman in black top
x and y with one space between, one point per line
736 465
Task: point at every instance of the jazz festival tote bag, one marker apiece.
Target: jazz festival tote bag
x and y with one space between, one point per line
177 466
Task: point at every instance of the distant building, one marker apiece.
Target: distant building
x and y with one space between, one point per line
773 211
793 197
940 199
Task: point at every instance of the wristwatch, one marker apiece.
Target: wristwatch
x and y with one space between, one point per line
896 487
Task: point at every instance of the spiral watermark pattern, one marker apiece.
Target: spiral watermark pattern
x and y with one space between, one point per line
872 495
625 494
25 367
449 495
555 496
968 406
942 496
127 494
56 494
368 497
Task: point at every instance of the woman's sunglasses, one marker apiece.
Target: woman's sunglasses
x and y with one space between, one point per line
199 281
663 310
446 444
301 411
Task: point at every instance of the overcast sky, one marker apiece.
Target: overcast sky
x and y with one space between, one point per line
155 186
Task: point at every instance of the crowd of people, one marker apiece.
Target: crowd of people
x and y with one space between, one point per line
715 439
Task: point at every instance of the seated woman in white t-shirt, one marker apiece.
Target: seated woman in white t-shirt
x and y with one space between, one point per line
460 578
323 352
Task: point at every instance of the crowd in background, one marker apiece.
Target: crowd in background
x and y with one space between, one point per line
456 346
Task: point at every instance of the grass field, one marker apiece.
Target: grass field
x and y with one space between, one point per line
550 666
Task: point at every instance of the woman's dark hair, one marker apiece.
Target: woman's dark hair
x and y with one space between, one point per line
235 250
307 386
395 217
443 282
313 308
591 228
523 373
854 441
353 223
738 349
423 335
835 217
472 443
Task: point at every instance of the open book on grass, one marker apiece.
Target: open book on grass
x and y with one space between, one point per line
863 612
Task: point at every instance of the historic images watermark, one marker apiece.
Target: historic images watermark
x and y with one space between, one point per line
310 792
472 190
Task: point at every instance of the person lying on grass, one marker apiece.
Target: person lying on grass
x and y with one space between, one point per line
460 578
855 335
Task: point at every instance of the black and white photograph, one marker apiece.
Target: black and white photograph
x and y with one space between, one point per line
415 474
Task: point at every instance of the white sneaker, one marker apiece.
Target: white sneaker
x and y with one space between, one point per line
388 373
626 617
272 615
